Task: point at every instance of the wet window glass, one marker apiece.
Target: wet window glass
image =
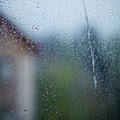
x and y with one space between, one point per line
6 69
59 60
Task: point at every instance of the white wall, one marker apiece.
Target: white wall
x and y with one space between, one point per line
26 83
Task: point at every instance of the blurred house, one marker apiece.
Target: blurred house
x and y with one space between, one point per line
17 71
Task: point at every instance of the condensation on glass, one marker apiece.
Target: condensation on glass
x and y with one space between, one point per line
59 60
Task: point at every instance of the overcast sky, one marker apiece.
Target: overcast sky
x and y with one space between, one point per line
38 18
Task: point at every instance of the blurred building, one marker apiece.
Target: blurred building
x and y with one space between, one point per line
17 71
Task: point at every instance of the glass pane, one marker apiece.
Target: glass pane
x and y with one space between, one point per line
59 60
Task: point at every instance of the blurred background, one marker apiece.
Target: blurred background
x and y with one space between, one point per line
59 60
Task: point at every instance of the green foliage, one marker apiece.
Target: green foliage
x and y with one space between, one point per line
65 89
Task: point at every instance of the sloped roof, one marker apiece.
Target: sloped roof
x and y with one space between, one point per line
7 29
